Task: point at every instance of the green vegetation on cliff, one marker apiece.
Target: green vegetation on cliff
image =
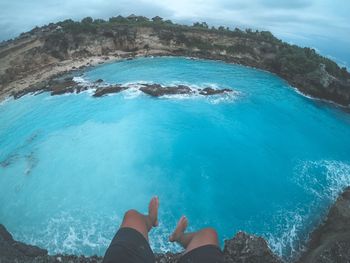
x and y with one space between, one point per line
289 58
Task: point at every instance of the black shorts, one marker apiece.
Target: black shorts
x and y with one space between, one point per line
130 246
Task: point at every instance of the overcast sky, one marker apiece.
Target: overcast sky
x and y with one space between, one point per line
322 24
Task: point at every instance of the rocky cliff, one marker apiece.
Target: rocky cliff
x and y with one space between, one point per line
329 243
36 56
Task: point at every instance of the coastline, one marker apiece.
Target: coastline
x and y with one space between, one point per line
34 57
33 84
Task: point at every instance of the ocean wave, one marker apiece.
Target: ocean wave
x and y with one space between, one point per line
324 180
290 227
72 234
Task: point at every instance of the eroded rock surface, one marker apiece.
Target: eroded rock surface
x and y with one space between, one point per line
11 250
330 242
248 248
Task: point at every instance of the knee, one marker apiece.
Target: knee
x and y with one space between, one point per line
132 213
210 234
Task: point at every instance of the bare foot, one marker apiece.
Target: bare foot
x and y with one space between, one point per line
179 230
153 211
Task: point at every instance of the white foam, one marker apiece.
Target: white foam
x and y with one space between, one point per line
132 92
291 226
325 180
71 240
81 81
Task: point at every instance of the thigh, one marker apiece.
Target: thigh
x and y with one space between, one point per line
204 254
129 246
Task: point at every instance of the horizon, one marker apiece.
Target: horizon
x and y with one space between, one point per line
322 25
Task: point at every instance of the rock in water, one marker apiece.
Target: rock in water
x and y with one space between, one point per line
157 90
330 242
211 91
59 87
107 90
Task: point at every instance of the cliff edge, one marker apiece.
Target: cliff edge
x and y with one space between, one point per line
330 242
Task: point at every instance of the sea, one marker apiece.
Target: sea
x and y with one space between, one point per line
263 158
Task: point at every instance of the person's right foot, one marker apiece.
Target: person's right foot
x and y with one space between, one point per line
179 230
153 212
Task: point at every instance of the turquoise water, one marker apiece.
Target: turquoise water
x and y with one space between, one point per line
264 160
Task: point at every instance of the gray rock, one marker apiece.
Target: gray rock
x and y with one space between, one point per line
108 90
211 91
12 251
248 248
156 90
330 242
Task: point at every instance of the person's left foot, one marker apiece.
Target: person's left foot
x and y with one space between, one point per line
153 211
179 230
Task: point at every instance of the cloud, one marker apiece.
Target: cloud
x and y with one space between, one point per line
294 4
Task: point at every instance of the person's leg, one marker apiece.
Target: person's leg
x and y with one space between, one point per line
130 243
190 241
142 223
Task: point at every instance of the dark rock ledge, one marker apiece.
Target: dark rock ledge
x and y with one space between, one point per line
329 243
59 86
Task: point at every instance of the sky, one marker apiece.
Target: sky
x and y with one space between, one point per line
320 24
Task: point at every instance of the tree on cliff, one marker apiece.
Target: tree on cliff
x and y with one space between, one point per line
201 25
87 20
157 19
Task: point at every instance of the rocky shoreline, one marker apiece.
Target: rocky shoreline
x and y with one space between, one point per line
66 84
329 242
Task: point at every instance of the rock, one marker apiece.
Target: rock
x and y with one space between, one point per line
157 90
59 87
12 251
330 242
5 235
80 89
99 81
107 90
211 91
37 88
248 248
